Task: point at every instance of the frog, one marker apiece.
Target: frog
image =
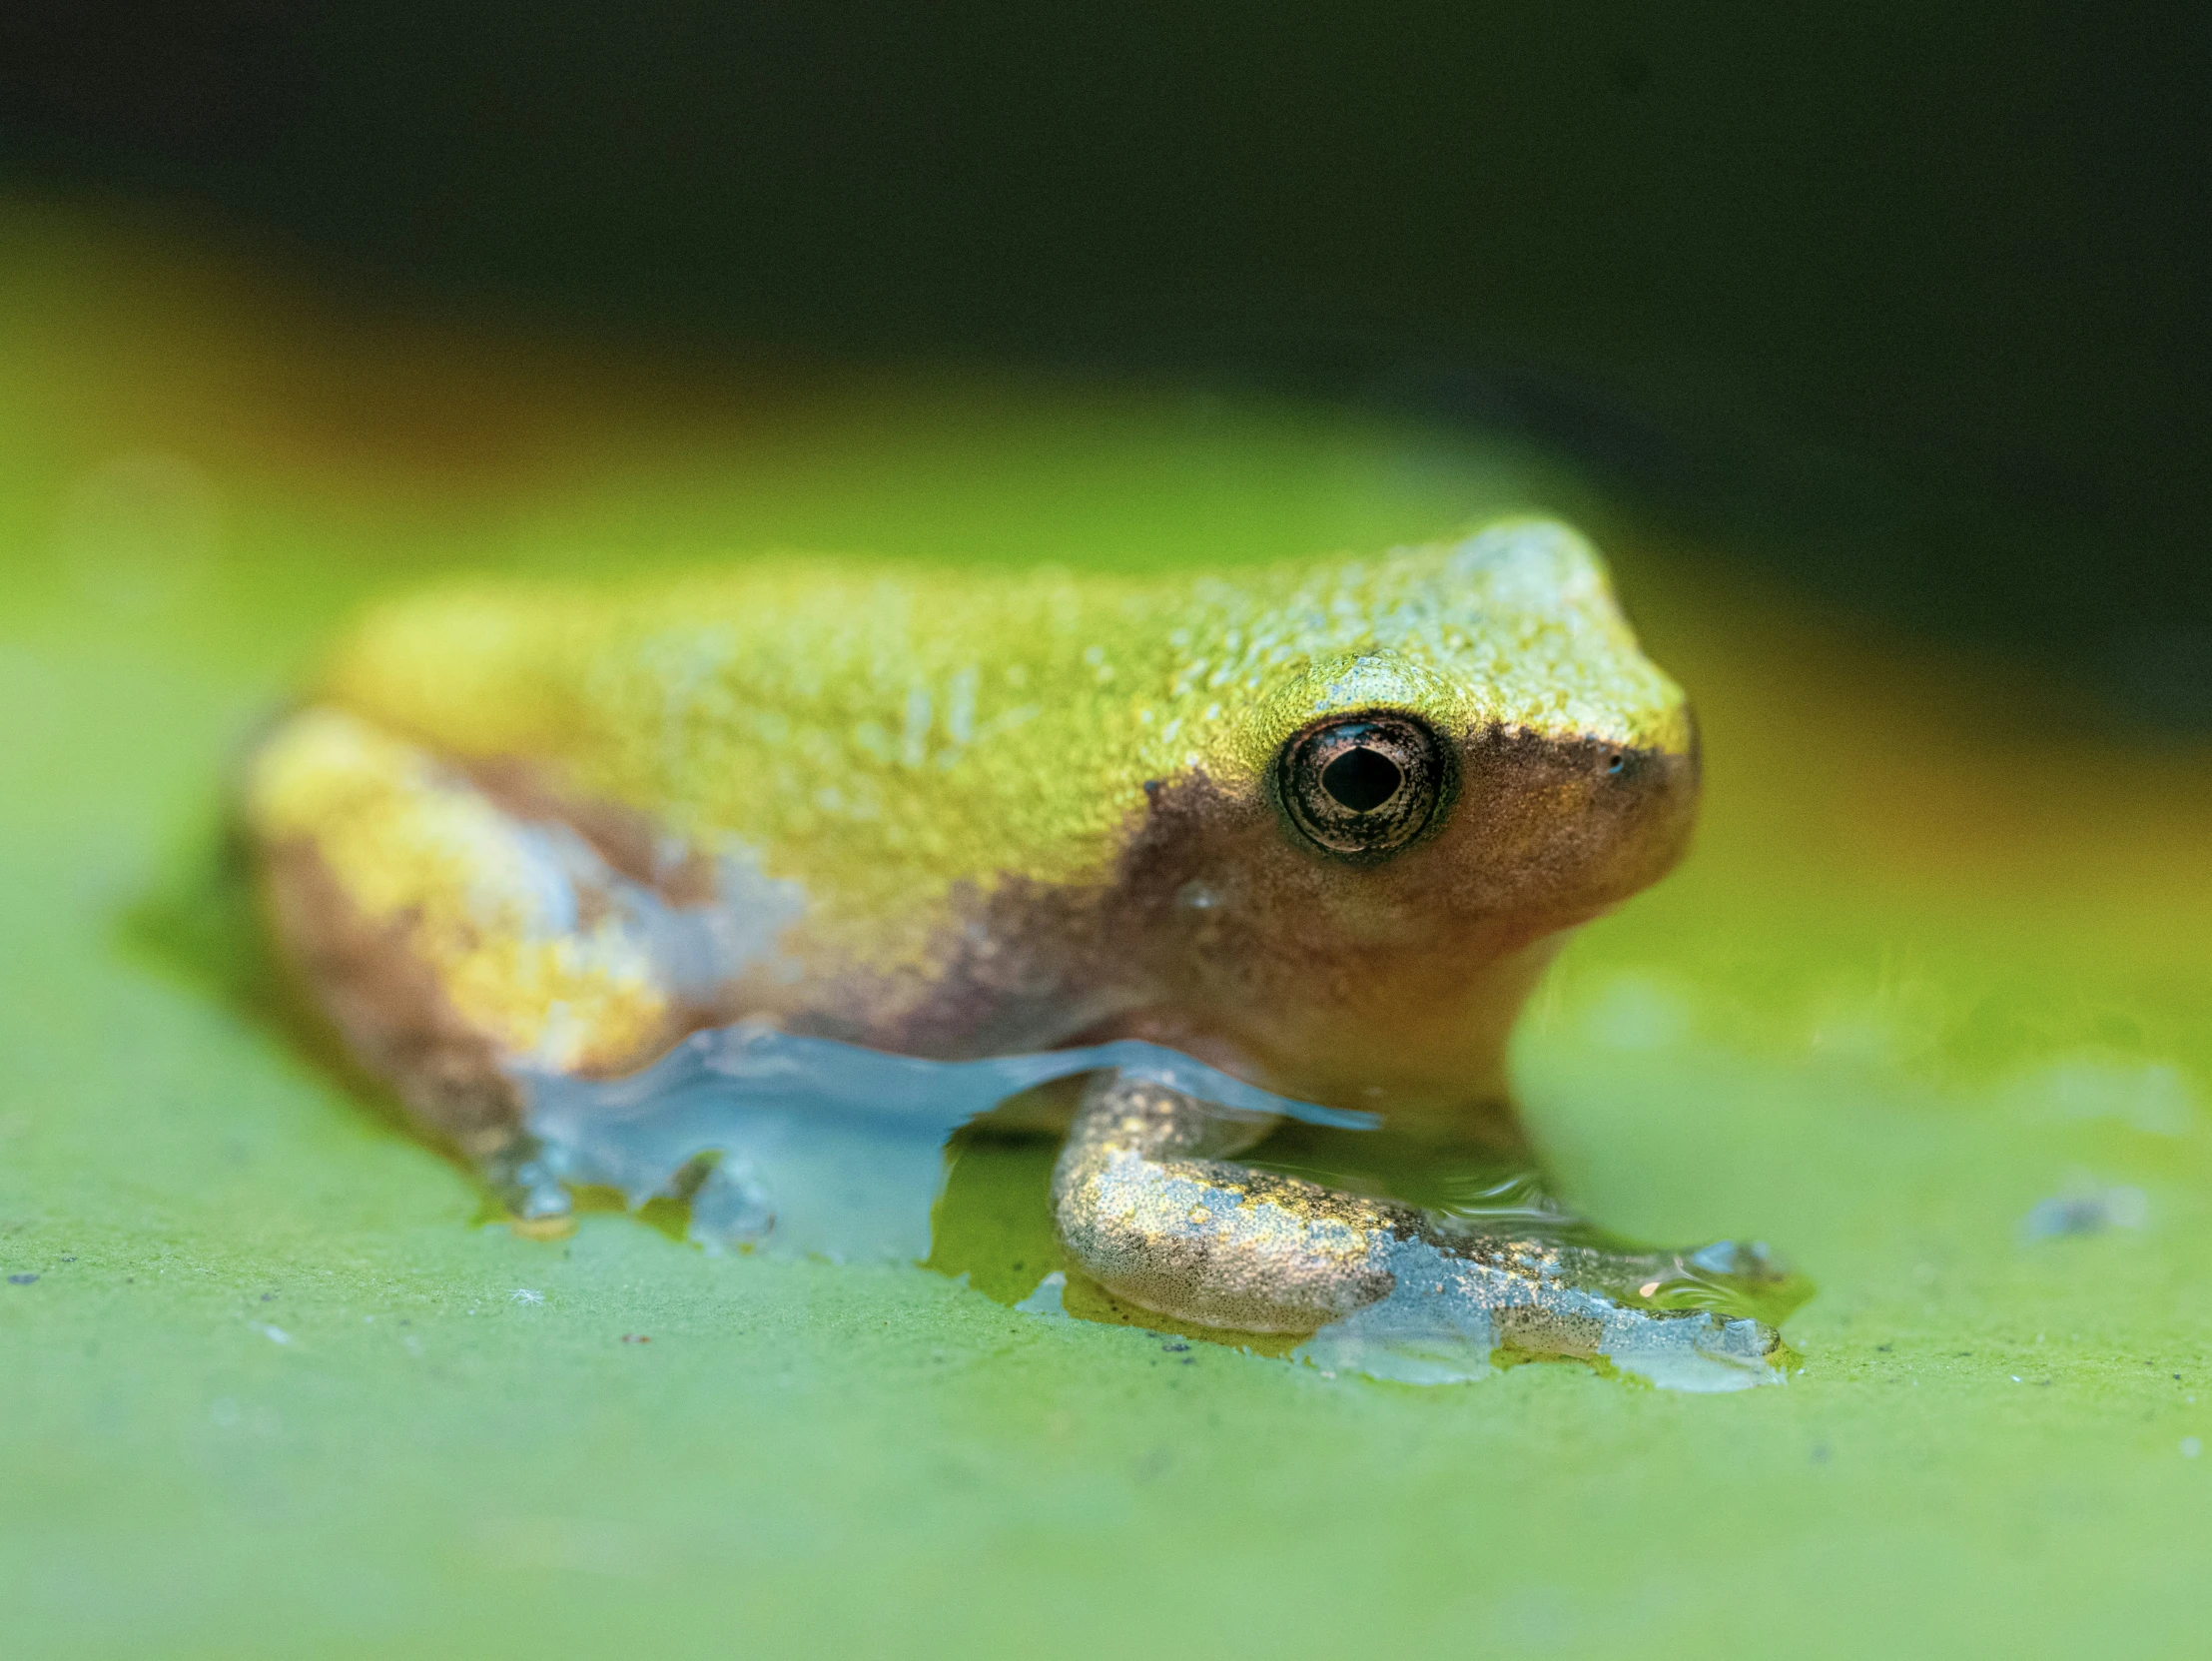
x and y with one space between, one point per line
1319 826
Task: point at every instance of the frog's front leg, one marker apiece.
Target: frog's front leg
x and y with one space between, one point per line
1148 1205
1148 1202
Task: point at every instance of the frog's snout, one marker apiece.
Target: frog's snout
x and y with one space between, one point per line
1565 828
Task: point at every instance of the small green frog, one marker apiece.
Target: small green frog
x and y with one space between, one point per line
1319 826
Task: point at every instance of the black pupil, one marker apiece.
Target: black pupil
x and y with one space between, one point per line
1362 779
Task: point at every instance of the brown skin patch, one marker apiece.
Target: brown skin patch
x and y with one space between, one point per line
1018 966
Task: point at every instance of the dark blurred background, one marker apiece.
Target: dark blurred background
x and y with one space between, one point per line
1909 303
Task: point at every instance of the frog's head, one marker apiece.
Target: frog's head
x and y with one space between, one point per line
1440 762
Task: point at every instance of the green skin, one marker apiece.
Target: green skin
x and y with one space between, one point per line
953 816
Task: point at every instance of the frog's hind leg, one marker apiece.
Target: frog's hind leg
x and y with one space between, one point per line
1147 1202
448 940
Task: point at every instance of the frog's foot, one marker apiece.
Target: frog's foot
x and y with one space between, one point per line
1147 1204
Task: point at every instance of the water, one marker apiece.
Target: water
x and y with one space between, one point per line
808 1146
1452 1318
804 1145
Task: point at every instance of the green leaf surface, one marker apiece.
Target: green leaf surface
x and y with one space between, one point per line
268 1387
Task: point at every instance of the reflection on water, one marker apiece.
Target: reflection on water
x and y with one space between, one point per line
761 1140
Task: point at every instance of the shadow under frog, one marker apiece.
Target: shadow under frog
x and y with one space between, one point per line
753 893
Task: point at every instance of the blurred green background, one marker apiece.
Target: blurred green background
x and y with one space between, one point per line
1870 347
1912 303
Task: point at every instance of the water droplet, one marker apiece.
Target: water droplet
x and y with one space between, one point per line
2086 1208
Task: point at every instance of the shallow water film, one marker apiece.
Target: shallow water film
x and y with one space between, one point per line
808 1145
770 1141
1924 1009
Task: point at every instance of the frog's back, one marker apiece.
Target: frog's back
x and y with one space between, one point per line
880 733
908 726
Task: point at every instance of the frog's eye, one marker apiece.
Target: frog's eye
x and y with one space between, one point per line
1362 785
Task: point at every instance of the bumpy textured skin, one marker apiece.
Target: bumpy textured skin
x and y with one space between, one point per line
951 814
1146 1199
